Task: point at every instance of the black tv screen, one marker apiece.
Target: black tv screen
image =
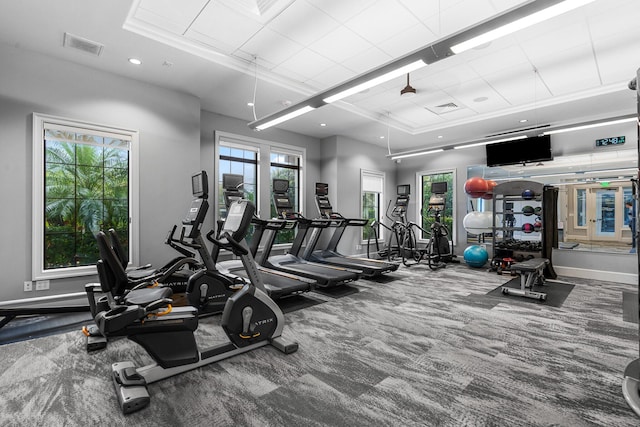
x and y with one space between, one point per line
536 149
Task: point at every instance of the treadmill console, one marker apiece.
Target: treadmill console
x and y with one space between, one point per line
322 200
195 217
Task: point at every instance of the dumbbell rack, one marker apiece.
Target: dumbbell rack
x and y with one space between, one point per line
508 203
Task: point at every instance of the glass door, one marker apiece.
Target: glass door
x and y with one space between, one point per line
603 222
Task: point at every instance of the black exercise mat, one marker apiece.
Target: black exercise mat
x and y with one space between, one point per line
556 292
36 326
337 291
630 307
296 302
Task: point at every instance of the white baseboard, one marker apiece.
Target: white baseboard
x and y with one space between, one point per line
607 276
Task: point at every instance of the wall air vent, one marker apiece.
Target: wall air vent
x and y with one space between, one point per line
444 108
85 45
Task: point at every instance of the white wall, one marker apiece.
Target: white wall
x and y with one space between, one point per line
344 160
168 123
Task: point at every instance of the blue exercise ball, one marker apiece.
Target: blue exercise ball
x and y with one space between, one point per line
475 256
528 194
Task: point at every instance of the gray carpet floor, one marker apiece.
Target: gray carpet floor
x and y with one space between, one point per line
420 348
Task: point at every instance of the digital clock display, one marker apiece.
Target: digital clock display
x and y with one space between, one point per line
614 140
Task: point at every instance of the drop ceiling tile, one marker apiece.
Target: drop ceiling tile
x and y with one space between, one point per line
332 76
495 61
452 76
305 63
569 71
412 38
459 16
366 60
340 45
561 39
381 21
518 85
218 22
342 10
303 23
619 17
617 58
472 93
165 14
415 115
423 9
271 46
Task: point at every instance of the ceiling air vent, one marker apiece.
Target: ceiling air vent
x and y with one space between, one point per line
444 108
518 130
82 44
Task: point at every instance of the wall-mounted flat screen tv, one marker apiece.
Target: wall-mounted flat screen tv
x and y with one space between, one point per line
536 149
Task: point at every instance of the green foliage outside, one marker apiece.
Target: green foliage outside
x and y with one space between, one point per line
370 212
86 190
446 217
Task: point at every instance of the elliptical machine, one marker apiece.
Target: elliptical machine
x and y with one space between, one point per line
439 250
250 320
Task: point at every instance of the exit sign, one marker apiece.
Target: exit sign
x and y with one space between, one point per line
614 140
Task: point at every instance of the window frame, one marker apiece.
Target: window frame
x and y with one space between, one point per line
419 196
374 174
39 124
231 142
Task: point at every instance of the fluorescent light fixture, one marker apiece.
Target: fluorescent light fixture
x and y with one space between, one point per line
376 81
284 118
477 144
621 171
418 153
553 174
591 125
519 24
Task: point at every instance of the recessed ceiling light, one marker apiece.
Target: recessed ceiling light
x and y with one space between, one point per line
323 124
135 61
440 137
381 136
249 104
524 121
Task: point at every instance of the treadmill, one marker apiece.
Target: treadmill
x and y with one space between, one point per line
326 275
369 267
278 284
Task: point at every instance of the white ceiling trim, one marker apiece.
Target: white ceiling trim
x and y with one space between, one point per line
145 29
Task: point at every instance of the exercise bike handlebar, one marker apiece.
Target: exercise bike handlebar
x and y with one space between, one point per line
228 242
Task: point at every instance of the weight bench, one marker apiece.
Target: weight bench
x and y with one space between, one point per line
531 273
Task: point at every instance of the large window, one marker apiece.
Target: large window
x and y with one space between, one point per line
372 189
241 161
82 184
425 179
259 162
286 166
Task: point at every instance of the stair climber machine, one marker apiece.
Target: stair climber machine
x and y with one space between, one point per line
330 255
250 320
277 283
403 240
325 275
207 289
